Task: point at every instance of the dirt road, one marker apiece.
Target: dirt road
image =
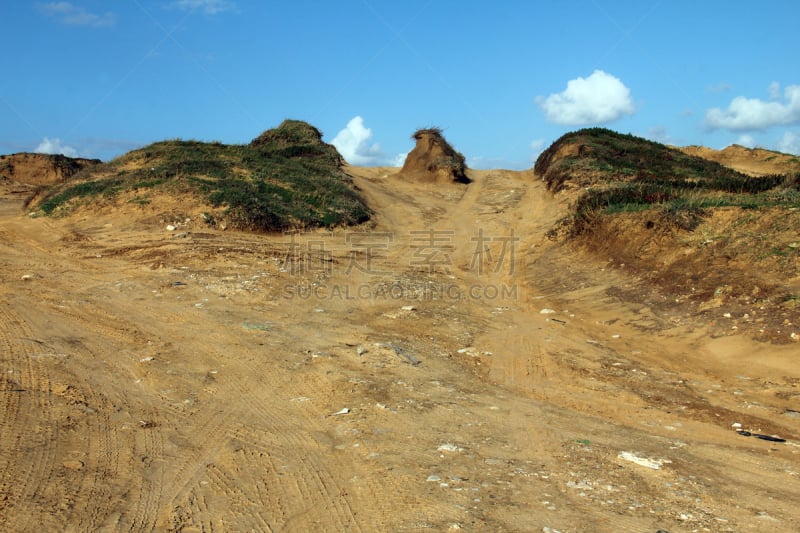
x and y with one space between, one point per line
446 368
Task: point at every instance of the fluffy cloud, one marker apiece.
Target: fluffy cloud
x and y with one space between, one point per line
790 143
353 142
748 114
598 99
54 146
209 7
66 13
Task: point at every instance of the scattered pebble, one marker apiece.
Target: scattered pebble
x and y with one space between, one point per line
447 447
546 311
343 411
170 227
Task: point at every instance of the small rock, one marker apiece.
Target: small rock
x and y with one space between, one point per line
170 227
343 411
447 447
408 308
434 477
361 350
146 359
546 311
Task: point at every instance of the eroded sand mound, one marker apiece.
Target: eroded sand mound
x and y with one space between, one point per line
434 160
41 169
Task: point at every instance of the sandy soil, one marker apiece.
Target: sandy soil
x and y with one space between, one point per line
753 161
446 368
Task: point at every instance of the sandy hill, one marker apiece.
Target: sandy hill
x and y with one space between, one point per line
699 230
287 178
452 364
753 161
41 169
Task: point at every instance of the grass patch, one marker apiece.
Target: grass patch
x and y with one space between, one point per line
286 178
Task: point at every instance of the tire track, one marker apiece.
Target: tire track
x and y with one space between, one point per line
313 481
321 486
29 443
150 441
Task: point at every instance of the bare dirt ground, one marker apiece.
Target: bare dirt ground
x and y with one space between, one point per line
446 368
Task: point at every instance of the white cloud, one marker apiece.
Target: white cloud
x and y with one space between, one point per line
746 140
747 114
54 146
353 142
209 7
73 15
598 99
789 143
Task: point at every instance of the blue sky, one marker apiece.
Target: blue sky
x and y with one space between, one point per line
95 78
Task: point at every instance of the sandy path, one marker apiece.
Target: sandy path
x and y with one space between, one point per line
156 382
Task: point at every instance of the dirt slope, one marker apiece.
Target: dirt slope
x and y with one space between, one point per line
753 161
398 377
41 169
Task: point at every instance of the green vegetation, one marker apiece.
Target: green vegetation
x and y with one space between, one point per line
624 173
286 178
